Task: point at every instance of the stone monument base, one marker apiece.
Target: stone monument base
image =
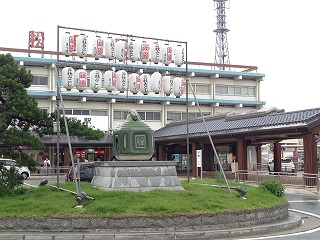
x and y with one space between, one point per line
138 176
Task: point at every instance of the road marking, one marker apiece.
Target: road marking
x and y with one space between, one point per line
302 201
291 234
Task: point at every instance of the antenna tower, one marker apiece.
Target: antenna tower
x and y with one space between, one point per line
221 49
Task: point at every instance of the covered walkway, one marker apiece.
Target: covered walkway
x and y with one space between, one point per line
242 135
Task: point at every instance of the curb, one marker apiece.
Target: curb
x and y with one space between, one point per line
293 221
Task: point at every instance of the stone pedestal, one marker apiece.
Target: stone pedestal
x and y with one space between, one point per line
136 176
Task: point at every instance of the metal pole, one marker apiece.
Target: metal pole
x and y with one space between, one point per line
187 113
58 112
64 116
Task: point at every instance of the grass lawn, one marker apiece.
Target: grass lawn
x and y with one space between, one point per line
198 197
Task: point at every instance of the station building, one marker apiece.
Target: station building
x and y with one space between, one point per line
212 90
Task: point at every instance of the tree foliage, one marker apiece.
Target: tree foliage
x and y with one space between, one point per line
75 128
20 116
22 122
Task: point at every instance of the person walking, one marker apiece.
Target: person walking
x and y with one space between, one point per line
47 165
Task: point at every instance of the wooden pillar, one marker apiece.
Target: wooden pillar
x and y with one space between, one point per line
277 156
194 159
310 159
66 154
258 151
242 158
161 153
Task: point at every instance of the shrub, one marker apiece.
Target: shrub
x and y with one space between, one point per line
273 186
10 181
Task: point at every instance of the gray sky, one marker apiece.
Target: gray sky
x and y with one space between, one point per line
279 36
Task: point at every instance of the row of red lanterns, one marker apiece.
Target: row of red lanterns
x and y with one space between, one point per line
122 81
123 49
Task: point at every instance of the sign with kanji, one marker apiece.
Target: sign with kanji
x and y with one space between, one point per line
36 39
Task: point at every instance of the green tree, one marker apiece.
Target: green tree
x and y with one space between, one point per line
75 127
22 123
20 116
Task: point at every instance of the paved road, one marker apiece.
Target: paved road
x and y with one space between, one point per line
307 205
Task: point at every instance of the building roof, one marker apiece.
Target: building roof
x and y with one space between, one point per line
51 140
264 125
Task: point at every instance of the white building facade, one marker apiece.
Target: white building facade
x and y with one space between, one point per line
215 91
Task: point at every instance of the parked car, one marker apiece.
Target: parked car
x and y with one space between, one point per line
287 165
86 172
22 170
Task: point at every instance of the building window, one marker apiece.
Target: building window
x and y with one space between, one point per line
142 115
221 90
174 116
40 81
235 90
76 112
86 112
199 88
145 115
99 112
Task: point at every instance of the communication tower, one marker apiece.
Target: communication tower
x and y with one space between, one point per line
221 49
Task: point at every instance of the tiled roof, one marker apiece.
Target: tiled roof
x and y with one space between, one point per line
230 123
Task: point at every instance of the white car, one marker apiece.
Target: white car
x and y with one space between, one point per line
287 165
22 170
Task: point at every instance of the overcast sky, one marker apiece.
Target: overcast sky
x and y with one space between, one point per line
280 37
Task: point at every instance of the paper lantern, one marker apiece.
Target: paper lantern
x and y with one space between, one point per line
110 48
134 83
95 80
121 50
82 45
134 50
167 83
179 55
156 82
144 52
145 83
155 53
67 44
166 54
122 81
68 78
110 80
81 80
178 86
97 48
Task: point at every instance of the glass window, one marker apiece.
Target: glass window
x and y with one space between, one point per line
231 90
170 116
221 89
40 80
85 112
192 115
244 91
149 115
237 90
94 112
203 88
68 111
103 113
251 91
117 114
142 115
43 80
157 116
76 112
